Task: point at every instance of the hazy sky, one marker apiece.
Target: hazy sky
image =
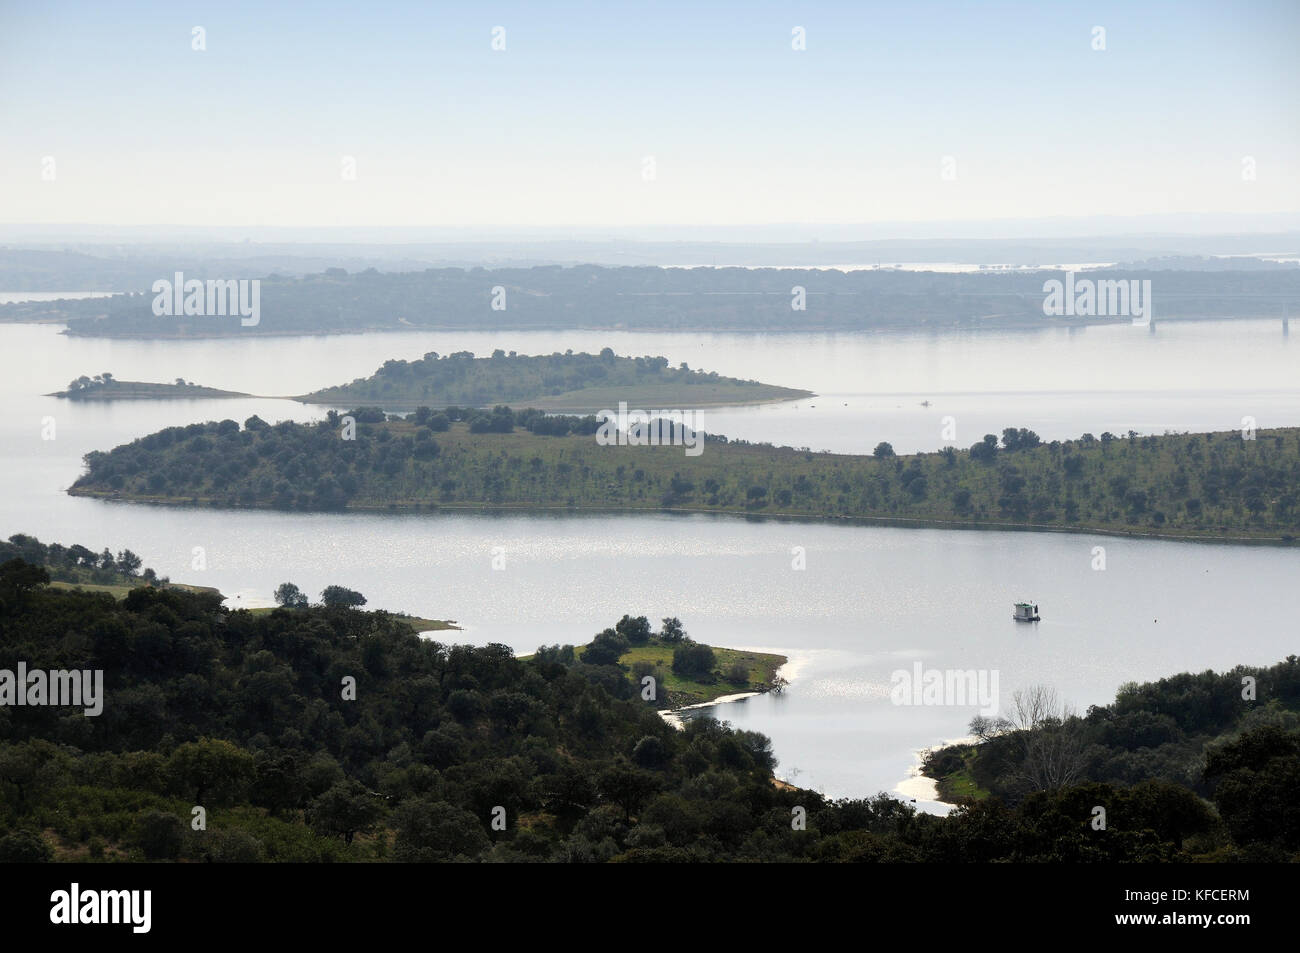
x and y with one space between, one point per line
557 127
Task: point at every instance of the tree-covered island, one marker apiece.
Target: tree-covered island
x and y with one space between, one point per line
575 383
106 387
1214 486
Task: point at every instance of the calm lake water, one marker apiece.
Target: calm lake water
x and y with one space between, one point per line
871 600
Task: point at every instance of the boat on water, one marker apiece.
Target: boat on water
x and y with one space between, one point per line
1026 612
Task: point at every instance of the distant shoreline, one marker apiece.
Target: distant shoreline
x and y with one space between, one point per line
1047 324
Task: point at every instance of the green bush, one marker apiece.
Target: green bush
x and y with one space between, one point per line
693 659
25 847
160 835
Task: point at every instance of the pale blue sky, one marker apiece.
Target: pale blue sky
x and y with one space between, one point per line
556 128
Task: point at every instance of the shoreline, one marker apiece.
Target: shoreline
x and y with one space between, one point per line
918 786
434 507
673 715
788 671
540 403
179 395
792 664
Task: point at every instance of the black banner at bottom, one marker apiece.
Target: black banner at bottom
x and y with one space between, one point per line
147 903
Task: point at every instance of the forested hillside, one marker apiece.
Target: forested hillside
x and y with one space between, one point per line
1232 737
445 752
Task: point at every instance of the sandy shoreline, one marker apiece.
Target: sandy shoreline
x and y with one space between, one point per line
922 790
787 671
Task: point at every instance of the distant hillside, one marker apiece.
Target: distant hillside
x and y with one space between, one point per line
650 298
1201 263
585 383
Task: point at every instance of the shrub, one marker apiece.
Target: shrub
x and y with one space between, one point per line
24 847
693 659
160 835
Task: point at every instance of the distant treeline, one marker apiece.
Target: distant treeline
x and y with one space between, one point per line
1209 485
133 263
651 298
455 753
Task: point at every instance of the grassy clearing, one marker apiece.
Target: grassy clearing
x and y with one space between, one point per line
119 591
951 769
679 691
725 393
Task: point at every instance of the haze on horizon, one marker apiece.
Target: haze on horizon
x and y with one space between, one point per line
645 116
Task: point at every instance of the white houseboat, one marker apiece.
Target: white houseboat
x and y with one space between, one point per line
1026 612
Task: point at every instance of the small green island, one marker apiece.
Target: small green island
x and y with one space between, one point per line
569 382
106 387
1212 486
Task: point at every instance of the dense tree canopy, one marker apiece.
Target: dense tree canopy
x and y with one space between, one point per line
1205 485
